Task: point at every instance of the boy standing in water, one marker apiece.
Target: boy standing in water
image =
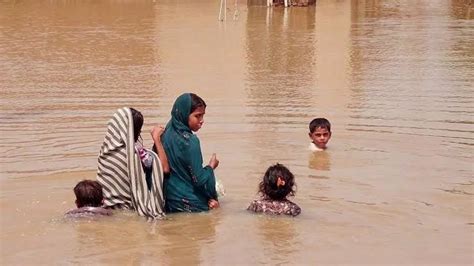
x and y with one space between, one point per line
89 200
319 133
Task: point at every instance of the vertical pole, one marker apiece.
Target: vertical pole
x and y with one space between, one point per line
220 11
220 18
236 11
269 17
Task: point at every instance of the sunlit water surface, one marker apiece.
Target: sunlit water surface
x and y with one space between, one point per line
395 78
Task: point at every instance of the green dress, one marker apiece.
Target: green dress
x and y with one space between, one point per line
189 186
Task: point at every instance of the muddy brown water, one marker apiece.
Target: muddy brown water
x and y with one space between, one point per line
395 78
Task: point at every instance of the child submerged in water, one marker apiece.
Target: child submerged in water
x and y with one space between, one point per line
278 182
89 200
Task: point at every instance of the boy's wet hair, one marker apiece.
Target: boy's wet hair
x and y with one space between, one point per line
196 102
269 186
319 123
137 123
88 194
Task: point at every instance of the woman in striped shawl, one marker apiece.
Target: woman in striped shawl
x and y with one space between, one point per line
121 171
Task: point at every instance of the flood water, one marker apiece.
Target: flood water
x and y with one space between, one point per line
395 78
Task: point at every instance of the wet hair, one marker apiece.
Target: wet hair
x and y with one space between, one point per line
319 123
137 123
88 194
269 186
196 102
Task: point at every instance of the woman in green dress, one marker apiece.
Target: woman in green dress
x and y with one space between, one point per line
190 187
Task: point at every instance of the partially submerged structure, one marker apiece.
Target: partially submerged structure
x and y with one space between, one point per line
285 3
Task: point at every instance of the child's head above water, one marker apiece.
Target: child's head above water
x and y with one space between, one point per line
88 194
320 132
137 123
278 182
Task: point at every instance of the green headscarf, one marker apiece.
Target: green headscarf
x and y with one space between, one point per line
189 186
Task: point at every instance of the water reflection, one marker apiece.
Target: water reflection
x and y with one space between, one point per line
320 160
462 9
179 240
280 55
280 81
280 52
110 240
185 236
332 69
279 239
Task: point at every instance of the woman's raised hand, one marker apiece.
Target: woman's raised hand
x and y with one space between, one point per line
213 204
213 163
156 132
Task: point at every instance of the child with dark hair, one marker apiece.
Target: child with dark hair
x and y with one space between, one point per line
145 157
278 183
319 133
89 200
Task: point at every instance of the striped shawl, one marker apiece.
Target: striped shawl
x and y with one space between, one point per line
121 174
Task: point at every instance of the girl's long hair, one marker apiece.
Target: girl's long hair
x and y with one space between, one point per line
137 123
271 188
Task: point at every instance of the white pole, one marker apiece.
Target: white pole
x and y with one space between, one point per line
220 11
269 16
236 11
